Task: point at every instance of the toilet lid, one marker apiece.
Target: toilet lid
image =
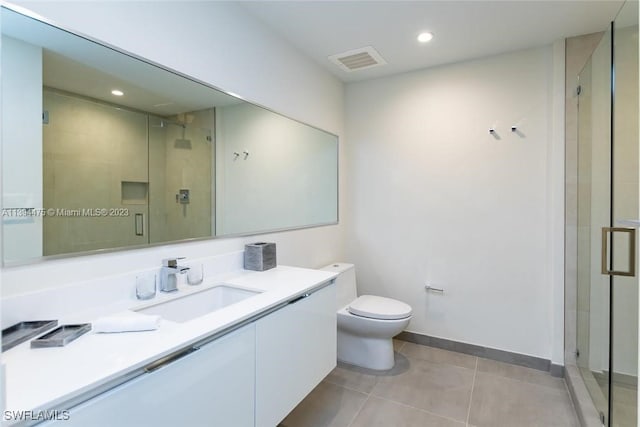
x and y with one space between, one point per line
379 308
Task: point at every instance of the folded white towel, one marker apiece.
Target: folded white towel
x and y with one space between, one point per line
126 323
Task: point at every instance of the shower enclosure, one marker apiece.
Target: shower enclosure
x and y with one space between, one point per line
608 221
116 177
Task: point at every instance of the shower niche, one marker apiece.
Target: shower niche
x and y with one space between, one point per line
134 193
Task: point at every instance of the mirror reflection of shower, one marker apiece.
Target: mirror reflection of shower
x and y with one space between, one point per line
115 157
181 161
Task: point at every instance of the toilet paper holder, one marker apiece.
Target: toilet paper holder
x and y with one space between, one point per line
428 288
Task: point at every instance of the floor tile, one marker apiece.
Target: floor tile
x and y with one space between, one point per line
398 344
500 401
433 354
327 405
624 416
384 413
625 395
364 379
352 377
433 387
520 373
624 406
439 388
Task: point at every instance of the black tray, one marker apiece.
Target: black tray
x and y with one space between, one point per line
24 331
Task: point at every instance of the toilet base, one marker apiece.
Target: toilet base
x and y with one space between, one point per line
366 352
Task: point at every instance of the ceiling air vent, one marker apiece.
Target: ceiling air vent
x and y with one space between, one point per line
358 59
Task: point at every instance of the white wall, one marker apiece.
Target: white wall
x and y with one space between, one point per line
22 147
436 199
218 43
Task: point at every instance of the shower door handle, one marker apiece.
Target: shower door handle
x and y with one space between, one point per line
632 251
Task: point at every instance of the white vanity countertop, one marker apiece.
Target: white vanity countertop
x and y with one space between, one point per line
42 378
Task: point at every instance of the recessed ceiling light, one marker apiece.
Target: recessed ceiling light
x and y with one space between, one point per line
425 37
117 92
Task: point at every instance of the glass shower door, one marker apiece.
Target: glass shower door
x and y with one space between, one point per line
625 212
608 219
594 212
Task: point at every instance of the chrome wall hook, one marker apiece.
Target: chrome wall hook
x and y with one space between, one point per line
246 154
235 155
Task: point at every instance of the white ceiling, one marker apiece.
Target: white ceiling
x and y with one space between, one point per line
463 29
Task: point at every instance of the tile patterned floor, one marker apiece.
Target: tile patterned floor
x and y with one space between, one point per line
439 388
625 397
625 400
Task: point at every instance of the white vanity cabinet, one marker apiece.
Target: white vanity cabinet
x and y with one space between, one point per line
253 376
212 386
295 350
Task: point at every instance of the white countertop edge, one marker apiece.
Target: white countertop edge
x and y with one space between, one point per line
44 379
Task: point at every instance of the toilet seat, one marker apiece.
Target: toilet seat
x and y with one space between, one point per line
375 307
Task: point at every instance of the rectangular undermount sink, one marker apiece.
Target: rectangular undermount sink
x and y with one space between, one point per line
188 307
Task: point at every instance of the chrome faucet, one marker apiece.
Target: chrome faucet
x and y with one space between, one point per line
169 274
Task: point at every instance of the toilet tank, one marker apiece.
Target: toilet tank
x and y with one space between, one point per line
345 282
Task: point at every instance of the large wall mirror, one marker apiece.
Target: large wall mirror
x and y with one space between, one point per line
101 150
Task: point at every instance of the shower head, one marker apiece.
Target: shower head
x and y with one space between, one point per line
182 143
165 123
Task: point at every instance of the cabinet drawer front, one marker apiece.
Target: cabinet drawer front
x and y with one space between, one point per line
212 386
295 350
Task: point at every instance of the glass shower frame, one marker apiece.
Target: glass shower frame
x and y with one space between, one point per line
607 304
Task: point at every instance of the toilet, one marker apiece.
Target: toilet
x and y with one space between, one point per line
366 323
